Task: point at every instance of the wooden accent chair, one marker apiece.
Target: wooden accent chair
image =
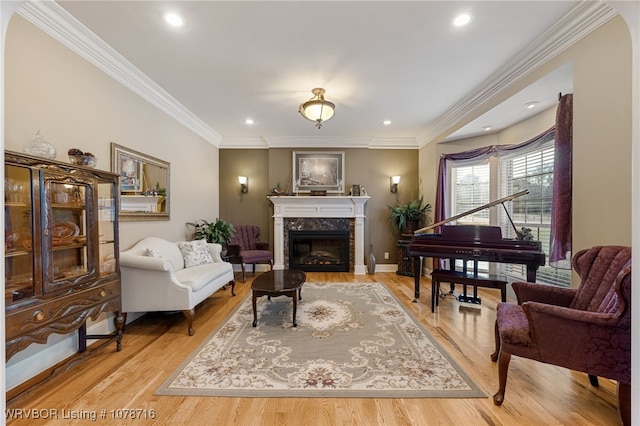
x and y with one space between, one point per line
244 248
585 329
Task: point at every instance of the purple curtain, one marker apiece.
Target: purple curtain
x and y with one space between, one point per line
560 255
440 212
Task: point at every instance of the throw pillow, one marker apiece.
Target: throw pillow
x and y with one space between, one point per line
152 253
195 253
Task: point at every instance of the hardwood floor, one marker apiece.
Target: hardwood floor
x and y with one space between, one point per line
156 344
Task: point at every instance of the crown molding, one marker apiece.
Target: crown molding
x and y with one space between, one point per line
582 20
318 142
63 27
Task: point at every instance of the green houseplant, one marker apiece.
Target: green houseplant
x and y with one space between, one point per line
406 217
219 231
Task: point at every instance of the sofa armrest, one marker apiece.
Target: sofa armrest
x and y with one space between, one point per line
215 250
145 262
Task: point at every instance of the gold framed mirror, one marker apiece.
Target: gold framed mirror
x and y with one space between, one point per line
144 185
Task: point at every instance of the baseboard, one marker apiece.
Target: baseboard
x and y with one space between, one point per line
263 267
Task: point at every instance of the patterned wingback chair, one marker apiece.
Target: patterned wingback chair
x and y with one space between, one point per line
244 248
585 329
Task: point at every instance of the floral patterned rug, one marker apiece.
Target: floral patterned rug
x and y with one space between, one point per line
352 340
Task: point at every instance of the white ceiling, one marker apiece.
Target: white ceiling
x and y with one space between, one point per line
379 60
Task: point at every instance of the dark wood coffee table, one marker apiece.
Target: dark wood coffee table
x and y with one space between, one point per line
283 282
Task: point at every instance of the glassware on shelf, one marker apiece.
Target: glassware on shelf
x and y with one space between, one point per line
39 148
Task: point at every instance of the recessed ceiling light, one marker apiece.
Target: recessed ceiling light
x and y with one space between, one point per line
531 104
386 122
249 121
487 128
173 19
462 20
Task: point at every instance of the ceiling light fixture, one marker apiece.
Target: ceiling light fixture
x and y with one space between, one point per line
486 128
532 104
386 122
173 19
462 20
248 121
317 108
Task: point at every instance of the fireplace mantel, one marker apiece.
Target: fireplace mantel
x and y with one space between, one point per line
319 207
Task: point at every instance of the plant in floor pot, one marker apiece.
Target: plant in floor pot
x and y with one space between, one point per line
406 218
219 231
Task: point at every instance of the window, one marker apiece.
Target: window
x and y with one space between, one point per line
532 170
529 168
471 188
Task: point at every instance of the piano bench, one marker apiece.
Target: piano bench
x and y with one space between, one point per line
469 278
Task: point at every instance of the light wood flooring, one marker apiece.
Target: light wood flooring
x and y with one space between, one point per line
156 344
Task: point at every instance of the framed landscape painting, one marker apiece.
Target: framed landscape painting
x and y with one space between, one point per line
318 171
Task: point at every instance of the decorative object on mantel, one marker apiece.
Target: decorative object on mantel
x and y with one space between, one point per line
39 148
319 192
80 158
323 170
317 109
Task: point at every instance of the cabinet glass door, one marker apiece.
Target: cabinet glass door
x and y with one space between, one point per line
66 234
19 263
106 228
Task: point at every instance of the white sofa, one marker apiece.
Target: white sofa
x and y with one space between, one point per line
154 276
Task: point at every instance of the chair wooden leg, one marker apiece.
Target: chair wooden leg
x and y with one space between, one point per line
190 314
494 355
624 402
233 287
503 370
593 380
244 280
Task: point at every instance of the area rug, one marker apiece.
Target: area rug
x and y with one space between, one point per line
352 340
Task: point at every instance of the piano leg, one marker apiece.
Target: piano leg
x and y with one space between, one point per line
532 271
417 272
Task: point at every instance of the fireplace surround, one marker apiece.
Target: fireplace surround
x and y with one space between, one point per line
288 209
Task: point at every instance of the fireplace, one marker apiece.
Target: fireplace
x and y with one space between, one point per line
288 210
319 251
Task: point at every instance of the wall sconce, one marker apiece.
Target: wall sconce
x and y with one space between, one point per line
395 180
244 184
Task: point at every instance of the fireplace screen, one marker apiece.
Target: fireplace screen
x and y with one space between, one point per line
318 251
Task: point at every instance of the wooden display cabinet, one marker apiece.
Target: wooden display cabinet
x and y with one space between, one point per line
61 250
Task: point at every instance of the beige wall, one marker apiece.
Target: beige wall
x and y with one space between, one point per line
369 168
601 136
75 105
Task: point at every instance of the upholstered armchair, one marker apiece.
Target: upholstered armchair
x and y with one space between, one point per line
585 329
244 248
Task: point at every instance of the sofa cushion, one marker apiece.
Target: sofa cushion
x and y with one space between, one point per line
195 253
198 276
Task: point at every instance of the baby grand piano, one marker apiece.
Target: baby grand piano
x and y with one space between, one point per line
477 243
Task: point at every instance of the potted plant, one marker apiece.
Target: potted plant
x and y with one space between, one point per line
219 231
407 217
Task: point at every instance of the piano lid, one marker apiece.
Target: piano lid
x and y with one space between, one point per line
477 209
